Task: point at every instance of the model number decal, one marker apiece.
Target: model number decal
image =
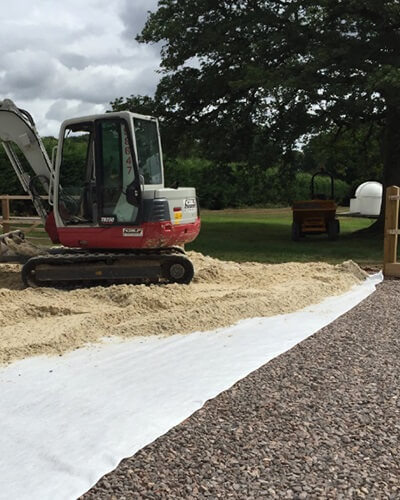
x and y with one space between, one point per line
132 231
107 220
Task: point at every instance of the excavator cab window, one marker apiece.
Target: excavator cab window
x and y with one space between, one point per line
75 203
148 150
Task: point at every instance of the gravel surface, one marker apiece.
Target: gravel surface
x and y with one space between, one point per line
320 421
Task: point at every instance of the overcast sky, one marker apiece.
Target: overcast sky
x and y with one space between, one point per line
64 59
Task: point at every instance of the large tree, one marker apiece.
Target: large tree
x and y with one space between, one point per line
241 73
351 156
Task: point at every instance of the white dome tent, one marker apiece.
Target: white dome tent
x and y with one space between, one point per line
368 199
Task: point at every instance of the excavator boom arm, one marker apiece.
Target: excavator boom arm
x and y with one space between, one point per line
18 128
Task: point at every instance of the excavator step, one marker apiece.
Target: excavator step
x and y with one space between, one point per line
90 269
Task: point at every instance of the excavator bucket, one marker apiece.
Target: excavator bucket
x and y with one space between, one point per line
15 248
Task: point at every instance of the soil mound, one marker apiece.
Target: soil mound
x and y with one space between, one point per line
50 321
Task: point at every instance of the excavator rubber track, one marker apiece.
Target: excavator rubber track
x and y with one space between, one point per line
82 268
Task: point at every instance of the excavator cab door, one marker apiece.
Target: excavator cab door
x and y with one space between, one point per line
98 180
118 179
76 175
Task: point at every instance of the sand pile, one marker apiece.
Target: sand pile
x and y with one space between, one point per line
50 321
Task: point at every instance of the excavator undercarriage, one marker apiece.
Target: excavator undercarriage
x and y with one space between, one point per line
66 267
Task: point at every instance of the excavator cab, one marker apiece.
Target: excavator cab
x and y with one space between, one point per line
109 186
98 180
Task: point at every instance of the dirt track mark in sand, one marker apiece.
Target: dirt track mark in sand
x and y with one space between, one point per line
51 321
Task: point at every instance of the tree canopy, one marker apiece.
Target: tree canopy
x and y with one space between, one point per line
243 75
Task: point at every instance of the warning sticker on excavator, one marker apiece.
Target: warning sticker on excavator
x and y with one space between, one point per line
178 216
132 231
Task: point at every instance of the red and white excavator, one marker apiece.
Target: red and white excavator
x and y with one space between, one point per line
107 204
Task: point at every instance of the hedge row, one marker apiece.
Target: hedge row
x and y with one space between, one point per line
218 186
239 185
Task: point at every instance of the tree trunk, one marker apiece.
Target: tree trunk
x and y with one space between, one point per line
391 157
391 147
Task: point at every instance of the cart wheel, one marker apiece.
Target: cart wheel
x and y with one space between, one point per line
296 231
333 229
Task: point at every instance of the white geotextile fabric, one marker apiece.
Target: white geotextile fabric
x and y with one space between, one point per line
66 421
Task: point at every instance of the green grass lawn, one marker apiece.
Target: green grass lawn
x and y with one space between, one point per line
265 236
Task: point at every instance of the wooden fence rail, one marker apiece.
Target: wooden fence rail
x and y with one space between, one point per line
390 265
7 220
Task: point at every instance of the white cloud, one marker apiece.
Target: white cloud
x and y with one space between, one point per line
134 15
60 60
71 108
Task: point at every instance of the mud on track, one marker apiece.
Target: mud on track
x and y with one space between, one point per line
51 321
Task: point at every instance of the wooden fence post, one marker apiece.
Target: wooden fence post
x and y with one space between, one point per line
5 208
390 265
